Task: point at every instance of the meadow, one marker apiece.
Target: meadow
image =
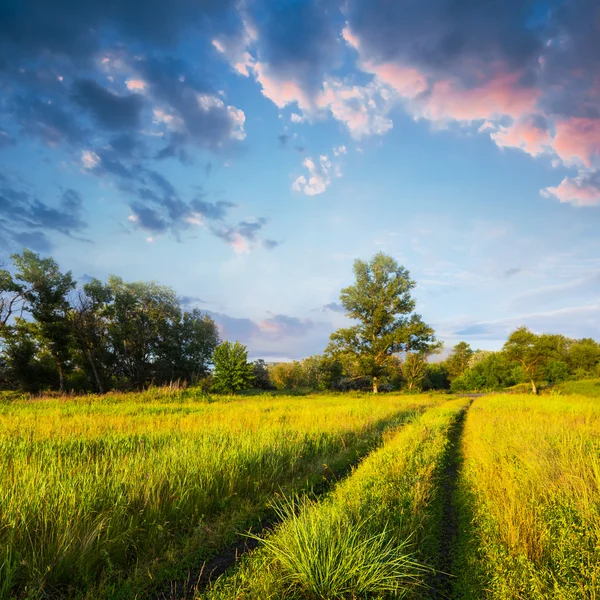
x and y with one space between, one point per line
110 496
346 496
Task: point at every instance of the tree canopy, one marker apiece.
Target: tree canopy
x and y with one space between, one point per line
233 372
98 336
380 301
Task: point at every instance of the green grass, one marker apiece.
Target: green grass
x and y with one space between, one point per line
109 497
584 387
366 539
531 486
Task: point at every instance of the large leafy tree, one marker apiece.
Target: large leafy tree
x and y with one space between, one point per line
46 291
533 352
380 301
458 361
90 325
233 372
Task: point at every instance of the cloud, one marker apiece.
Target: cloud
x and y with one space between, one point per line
110 110
278 335
512 272
75 29
335 307
578 140
25 219
191 108
530 134
526 76
190 301
581 190
244 237
573 321
318 179
46 120
362 109
279 326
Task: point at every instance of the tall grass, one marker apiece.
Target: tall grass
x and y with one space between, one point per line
584 387
95 490
363 540
531 481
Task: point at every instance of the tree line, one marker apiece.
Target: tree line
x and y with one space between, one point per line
56 334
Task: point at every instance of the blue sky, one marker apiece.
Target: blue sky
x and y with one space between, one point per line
245 153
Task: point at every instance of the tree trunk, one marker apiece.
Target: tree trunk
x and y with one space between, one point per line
61 376
375 388
533 387
95 371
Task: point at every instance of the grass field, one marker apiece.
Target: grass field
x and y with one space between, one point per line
370 538
530 493
120 496
105 497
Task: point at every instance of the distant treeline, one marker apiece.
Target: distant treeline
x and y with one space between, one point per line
56 335
526 358
98 336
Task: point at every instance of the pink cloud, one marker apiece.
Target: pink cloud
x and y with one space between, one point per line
406 81
580 191
523 134
280 91
499 96
578 139
135 85
362 108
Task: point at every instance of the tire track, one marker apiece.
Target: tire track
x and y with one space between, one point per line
441 583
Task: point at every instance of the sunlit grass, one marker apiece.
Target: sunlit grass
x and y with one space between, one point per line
585 387
362 541
532 483
94 489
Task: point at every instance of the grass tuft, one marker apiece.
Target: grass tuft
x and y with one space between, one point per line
329 554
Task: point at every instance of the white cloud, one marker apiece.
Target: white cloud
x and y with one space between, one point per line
318 179
89 159
362 109
136 85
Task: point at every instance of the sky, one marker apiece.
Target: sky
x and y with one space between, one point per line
246 152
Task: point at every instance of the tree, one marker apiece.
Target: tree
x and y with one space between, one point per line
584 355
533 351
286 376
260 371
232 372
11 298
46 292
458 361
381 302
414 370
89 321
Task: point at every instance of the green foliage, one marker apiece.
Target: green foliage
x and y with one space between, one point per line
102 336
365 540
458 361
381 302
232 371
46 289
556 371
327 553
318 372
491 371
436 377
533 352
104 493
260 372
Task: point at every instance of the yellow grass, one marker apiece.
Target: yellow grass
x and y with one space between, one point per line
101 489
531 480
